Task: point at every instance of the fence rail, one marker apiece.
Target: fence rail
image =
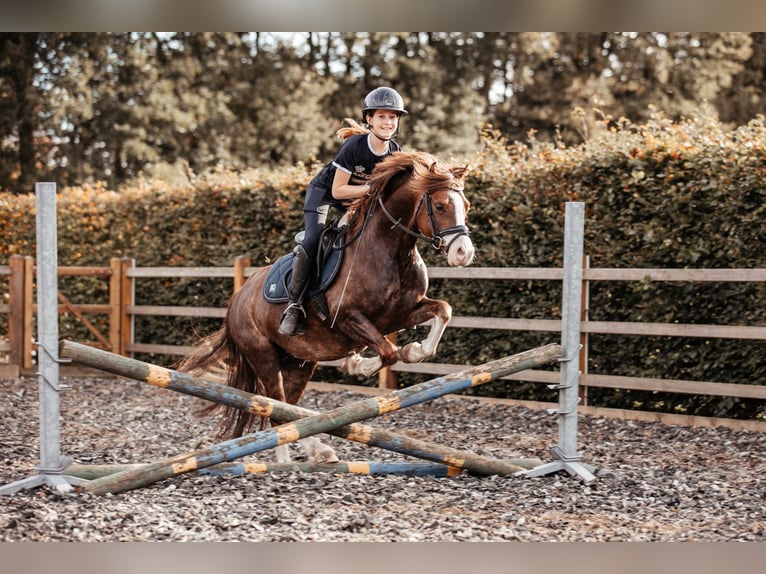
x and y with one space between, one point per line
122 310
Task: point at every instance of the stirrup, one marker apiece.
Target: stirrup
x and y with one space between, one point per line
292 323
295 305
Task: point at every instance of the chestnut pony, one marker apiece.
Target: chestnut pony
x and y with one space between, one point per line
380 288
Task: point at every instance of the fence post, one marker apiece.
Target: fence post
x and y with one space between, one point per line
21 318
241 262
16 317
387 378
115 308
584 315
29 312
127 299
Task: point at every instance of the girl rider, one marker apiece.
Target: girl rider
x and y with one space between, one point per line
337 184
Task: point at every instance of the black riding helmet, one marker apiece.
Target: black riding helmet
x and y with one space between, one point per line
383 98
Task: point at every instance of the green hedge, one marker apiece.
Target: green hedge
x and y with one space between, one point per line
660 194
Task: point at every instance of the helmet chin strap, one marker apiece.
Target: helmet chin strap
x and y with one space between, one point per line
395 134
372 131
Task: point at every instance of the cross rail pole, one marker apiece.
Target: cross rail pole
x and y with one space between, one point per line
323 422
283 412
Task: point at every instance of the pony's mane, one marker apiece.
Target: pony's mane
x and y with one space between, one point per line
427 174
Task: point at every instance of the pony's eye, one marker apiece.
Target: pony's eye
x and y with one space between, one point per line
441 207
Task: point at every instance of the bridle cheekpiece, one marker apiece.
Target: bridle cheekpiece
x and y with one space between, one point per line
436 239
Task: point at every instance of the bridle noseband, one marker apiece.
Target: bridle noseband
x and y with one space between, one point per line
437 236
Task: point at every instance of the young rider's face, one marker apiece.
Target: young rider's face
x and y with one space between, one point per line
384 123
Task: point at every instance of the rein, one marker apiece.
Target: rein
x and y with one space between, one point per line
340 245
436 239
343 245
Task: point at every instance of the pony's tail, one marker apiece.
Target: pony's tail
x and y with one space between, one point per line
208 357
216 357
352 129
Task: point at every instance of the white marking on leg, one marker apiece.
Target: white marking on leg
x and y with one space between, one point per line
417 351
283 453
358 365
316 450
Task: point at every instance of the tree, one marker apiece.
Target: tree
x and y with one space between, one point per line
84 107
20 102
744 98
446 112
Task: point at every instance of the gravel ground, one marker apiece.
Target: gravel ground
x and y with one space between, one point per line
656 482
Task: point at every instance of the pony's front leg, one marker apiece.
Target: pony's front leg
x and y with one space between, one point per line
440 314
356 364
359 328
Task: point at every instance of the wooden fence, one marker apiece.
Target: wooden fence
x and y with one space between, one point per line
122 275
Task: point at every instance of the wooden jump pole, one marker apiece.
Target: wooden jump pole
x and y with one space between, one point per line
283 412
416 468
408 468
324 422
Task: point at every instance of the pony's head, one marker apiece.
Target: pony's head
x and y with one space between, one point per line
435 194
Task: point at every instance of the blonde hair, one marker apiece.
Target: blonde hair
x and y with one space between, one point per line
352 128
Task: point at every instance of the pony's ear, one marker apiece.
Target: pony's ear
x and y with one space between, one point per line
460 172
432 167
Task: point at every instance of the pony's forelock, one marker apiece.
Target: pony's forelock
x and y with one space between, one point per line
428 173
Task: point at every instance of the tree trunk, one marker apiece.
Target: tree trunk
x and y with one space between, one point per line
22 77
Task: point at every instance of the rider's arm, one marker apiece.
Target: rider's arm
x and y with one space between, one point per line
343 190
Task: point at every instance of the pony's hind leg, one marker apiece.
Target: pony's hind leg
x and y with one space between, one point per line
282 453
295 377
317 451
312 447
265 377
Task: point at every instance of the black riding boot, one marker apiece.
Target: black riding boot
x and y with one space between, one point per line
293 320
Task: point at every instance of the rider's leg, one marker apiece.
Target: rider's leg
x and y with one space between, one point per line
293 317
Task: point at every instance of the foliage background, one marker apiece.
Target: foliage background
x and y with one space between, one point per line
80 108
658 194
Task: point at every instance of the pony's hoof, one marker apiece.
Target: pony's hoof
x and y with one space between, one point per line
283 454
412 353
321 453
317 451
346 364
358 365
327 458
